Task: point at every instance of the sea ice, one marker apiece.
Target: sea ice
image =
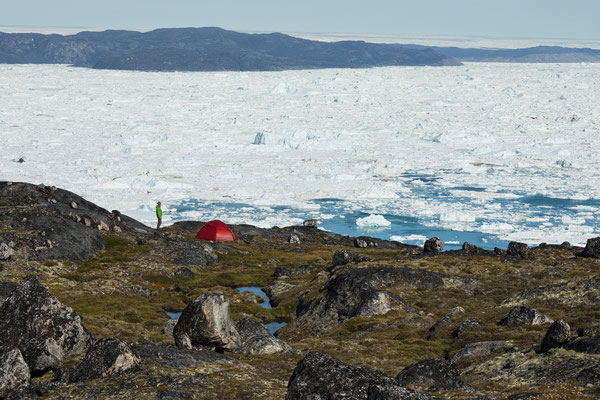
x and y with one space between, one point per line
445 146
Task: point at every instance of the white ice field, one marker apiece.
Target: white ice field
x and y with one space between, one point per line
506 150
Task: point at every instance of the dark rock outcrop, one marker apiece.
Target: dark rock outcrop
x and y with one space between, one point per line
557 334
592 247
256 339
433 245
206 322
585 345
70 240
107 356
6 288
194 257
524 316
32 314
360 292
588 332
14 372
343 257
435 373
320 377
517 249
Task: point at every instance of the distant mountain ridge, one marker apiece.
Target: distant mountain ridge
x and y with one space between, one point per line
206 49
538 54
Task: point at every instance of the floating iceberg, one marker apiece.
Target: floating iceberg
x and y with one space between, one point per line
373 221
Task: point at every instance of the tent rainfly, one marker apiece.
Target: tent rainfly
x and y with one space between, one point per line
216 231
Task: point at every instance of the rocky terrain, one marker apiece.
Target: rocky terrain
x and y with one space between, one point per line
84 296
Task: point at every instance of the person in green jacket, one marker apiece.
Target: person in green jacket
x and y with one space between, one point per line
158 214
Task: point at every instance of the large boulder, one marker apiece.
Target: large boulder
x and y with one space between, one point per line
14 372
44 329
320 377
256 339
435 373
522 315
592 247
557 334
343 257
206 322
433 245
107 356
517 249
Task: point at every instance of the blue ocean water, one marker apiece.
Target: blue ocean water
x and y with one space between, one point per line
535 215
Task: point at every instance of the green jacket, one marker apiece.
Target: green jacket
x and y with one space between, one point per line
158 212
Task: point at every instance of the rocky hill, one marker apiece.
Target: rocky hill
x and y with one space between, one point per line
205 49
538 54
84 296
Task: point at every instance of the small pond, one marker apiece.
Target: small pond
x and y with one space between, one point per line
272 327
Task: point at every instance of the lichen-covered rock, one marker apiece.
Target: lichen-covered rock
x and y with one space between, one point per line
320 377
293 239
480 349
557 334
107 356
311 223
206 322
522 315
14 372
517 249
570 293
31 313
184 272
343 257
5 251
360 243
592 247
435 373
472 323
256 339
433 245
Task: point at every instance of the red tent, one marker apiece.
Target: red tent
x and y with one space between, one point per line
216 231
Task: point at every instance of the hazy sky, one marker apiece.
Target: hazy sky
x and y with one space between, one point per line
503 18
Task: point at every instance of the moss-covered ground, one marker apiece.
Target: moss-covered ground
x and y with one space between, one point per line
126 290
